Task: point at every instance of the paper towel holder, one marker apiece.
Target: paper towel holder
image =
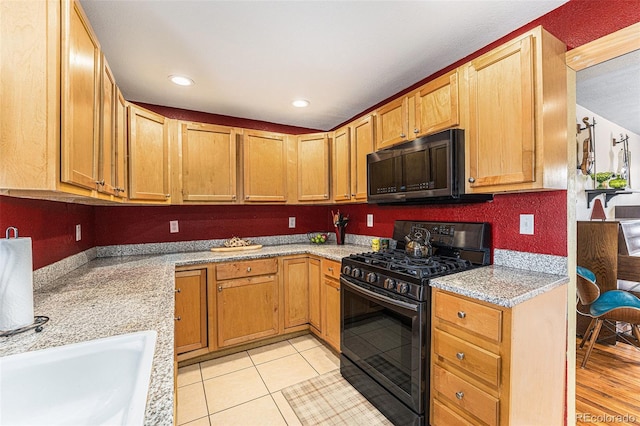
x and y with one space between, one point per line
38 321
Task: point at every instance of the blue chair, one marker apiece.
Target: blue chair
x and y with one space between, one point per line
613 305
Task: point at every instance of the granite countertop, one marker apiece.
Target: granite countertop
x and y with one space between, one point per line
500 285
117 295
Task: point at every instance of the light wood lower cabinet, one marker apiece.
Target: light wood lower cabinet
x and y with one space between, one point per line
315 312
330 303
247 301
191 310
492 365
295 276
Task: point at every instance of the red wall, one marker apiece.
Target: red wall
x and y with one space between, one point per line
51 226
127 225
503 213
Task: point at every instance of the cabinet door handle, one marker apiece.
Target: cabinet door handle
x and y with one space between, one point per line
178 318
219 289
402 135
462 314
167 195
460 355
337 288
416 131
249 269
472 180
177 290
459 394
100 182
330 269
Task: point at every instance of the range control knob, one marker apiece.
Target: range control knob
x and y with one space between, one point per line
402 288
355 273
347 270
389 284
372 277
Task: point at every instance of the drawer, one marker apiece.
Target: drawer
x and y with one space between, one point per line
331 268
466 396
474 317
469 357
247 268
444 416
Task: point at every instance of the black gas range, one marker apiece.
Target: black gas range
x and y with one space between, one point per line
385 311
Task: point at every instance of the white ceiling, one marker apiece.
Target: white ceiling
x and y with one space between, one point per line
251 59
612 90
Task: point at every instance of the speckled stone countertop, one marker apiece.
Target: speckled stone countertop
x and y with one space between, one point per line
116 295
500 285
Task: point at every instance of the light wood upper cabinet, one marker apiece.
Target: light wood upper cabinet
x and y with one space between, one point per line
208 162
362 134
265 166
120 145
341 164
191 310
80 90
295 276
107 158
148 155
436 105
392 123
313 167
516 129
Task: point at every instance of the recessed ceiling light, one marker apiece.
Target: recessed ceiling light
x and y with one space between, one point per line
181 80
300 103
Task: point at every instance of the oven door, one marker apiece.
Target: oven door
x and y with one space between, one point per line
387 339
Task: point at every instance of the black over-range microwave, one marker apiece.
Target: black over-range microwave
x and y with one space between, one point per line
429 169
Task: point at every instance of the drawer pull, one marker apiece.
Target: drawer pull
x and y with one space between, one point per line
177 290
459 394
330 269
178 318
462 314
249 269
460 355
219 289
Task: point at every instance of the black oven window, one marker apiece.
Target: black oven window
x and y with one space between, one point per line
380 338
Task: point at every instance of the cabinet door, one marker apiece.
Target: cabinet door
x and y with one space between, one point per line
500 137
208 162
296 291
362 144
341 165
313 167
265 166
315 313
191 310
107 161
148 155
80 88
392 123
247 309
437 105
120 145
331 326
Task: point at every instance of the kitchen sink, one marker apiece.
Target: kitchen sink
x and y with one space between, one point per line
97 382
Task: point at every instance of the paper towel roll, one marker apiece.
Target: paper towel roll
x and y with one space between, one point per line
16 283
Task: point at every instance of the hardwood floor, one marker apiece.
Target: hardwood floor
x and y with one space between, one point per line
608 389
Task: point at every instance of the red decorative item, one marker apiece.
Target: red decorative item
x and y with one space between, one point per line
598 211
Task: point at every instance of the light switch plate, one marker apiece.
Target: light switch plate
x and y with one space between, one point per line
173 226
370 220
526 224
292 222
78 232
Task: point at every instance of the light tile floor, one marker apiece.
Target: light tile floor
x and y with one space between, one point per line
244 388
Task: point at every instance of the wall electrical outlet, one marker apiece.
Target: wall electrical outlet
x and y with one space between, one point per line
78 232
173 226
292 222
526 224
370 220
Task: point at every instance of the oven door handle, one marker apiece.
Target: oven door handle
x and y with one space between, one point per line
380 298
